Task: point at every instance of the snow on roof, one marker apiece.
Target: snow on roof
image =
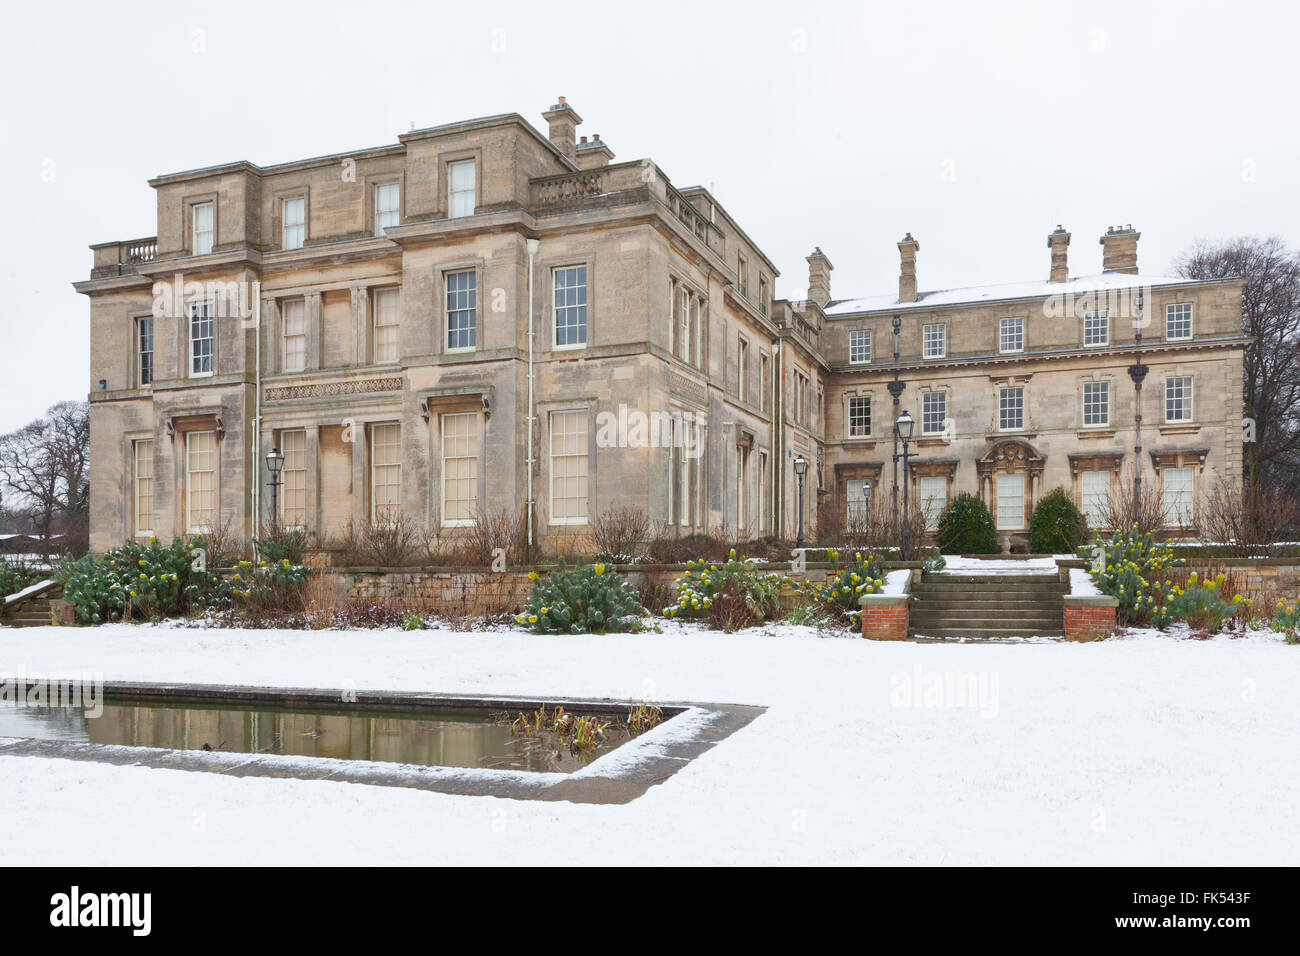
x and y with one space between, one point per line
1080 285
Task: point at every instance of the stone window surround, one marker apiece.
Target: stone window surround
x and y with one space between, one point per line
133 353
744 380
1026 460
278 198
943 351
445 161
438 406
187 353
845 397
1110 461
1083 330
177 428
1181 298
1024 335
546 289
373 182
696 516
371 294
676 284
1098 377
187 223
129 440
871 346
919 433
846 472
1163 420
478 266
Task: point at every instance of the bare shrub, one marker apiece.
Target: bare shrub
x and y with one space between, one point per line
393 543
496 528
668 545
876 528
1124 509
620 533
227 545
1247 520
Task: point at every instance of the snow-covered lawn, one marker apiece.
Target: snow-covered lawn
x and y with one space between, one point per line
1134 750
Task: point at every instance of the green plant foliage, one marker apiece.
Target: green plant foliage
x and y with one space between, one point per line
966 527
845 584
1202 605
581 600
268 585
937 563
1056 526
144 581
284 544
16 575
1287 622
729 595
1134 568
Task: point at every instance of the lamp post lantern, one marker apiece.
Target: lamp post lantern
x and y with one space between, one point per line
903 432
800 469
275 464
866 505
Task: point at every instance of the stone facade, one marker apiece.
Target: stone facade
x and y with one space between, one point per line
379 315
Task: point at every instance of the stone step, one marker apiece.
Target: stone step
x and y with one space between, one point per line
965 614
1045 578
985 632
976 593
929 603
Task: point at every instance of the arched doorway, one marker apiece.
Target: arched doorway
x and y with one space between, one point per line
1011 477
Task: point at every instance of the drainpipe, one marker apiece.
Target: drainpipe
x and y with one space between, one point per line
532 254
255 523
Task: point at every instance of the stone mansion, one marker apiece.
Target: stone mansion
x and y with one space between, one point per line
481 318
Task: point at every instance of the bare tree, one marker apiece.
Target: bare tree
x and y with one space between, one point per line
45 465
1249 521
1124 510
1270 306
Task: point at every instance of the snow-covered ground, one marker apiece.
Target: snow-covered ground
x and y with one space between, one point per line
960 565
1143 750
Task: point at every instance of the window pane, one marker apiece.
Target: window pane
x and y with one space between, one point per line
1011 408
1178 321
144 516
934 340
934 497
388 200
1011 336
1096 328
201 481
1095 493
385 471
860 346
295 225
571 306
459 468
201 331
934 412
144 342
1179 484
202 229
1178 399
860 416
1096 403
462 310
1011 502
293 477
569 467
294 325
387 328
462 189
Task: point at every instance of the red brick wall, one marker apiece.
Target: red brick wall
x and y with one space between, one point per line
1085 622
885 622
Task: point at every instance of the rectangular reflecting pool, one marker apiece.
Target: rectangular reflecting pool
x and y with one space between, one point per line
437 738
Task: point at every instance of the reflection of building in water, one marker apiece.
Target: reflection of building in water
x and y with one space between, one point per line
447 741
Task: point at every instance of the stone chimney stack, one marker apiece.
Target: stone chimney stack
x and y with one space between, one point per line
907 249
1119 249
594 154
1059 242
563 120
819 277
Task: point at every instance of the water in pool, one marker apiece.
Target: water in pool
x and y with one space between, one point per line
441 739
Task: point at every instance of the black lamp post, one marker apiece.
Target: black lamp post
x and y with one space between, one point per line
1137 372
903 431
275 464
896 390
866 504
800 469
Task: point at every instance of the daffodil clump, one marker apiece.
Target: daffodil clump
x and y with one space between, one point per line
729 595
846 584
142 580
1202 603
268 584
1134 568
582 600
1287 621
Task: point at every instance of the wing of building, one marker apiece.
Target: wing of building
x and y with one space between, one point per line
485 320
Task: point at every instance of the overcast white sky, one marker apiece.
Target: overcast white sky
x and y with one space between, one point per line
976 126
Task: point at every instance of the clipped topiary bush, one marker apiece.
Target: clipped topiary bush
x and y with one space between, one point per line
1056 526
581 600
966 527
